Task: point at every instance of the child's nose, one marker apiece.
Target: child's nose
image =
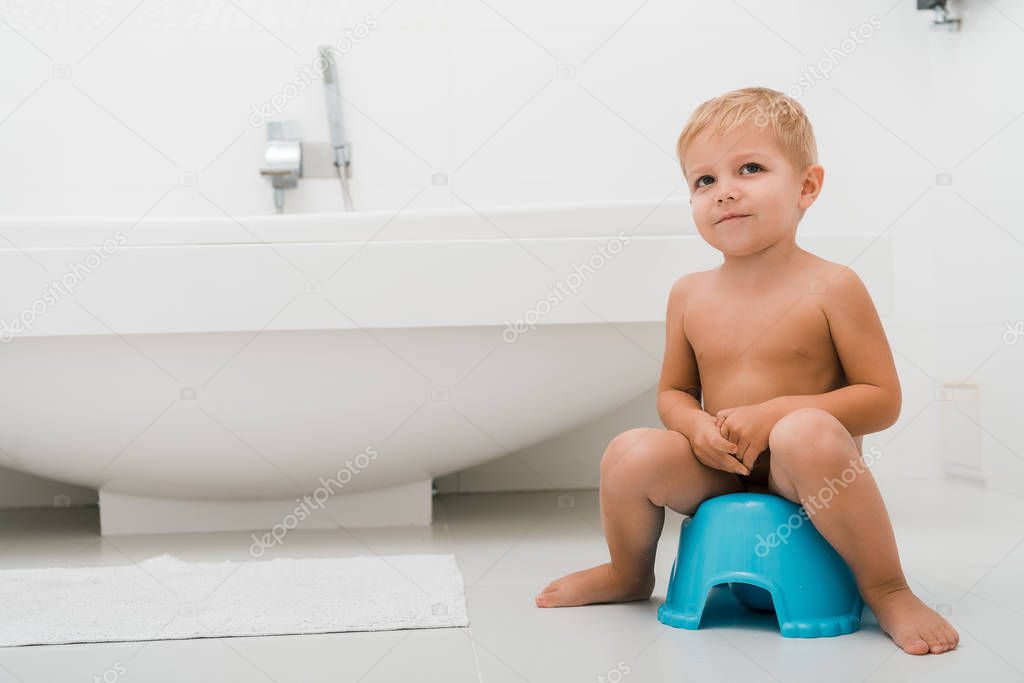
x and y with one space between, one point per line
725 193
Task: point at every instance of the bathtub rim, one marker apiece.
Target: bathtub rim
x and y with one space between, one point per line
666 217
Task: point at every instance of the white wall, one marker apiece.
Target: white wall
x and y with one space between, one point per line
102 110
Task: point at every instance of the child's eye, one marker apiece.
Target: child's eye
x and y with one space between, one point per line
697 182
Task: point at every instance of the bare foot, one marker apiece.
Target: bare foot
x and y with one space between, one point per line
594 585
913 625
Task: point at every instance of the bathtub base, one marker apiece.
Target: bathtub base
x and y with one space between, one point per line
405 505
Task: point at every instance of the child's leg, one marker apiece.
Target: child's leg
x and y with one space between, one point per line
815 462
642 471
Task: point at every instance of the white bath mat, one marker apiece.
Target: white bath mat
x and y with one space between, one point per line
164 598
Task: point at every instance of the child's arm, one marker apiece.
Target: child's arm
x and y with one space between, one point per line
679 389
873 399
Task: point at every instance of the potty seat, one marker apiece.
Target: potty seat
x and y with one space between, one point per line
766 549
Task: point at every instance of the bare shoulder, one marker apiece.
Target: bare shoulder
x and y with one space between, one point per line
838 280
845 284
685 286
843 294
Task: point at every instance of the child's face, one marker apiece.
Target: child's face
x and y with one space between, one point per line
745 172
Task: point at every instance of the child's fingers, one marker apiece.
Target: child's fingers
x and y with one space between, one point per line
750 457
741 449
727 463
720 460
731 464
723 444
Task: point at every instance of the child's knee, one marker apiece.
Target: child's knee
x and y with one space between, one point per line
803 432
632 458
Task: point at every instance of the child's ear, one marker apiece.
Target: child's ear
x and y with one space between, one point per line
811 186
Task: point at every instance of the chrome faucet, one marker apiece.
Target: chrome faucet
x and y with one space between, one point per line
288 158
283 158
942 20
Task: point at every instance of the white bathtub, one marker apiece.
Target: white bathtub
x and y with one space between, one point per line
207 373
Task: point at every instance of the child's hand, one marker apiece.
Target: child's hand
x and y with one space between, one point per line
748 427
714 450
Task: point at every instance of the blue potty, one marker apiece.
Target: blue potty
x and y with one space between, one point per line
772 558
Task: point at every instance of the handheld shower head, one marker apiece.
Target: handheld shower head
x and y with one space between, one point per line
332 98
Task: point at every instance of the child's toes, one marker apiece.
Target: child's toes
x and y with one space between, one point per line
916 645
920 641
952 637
929 636
914 642
936 641
542 598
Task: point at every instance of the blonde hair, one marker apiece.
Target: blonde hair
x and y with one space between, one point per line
784 117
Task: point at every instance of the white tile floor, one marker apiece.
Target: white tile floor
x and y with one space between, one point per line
961 546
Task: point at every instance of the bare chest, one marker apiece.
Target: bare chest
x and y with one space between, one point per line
773 333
